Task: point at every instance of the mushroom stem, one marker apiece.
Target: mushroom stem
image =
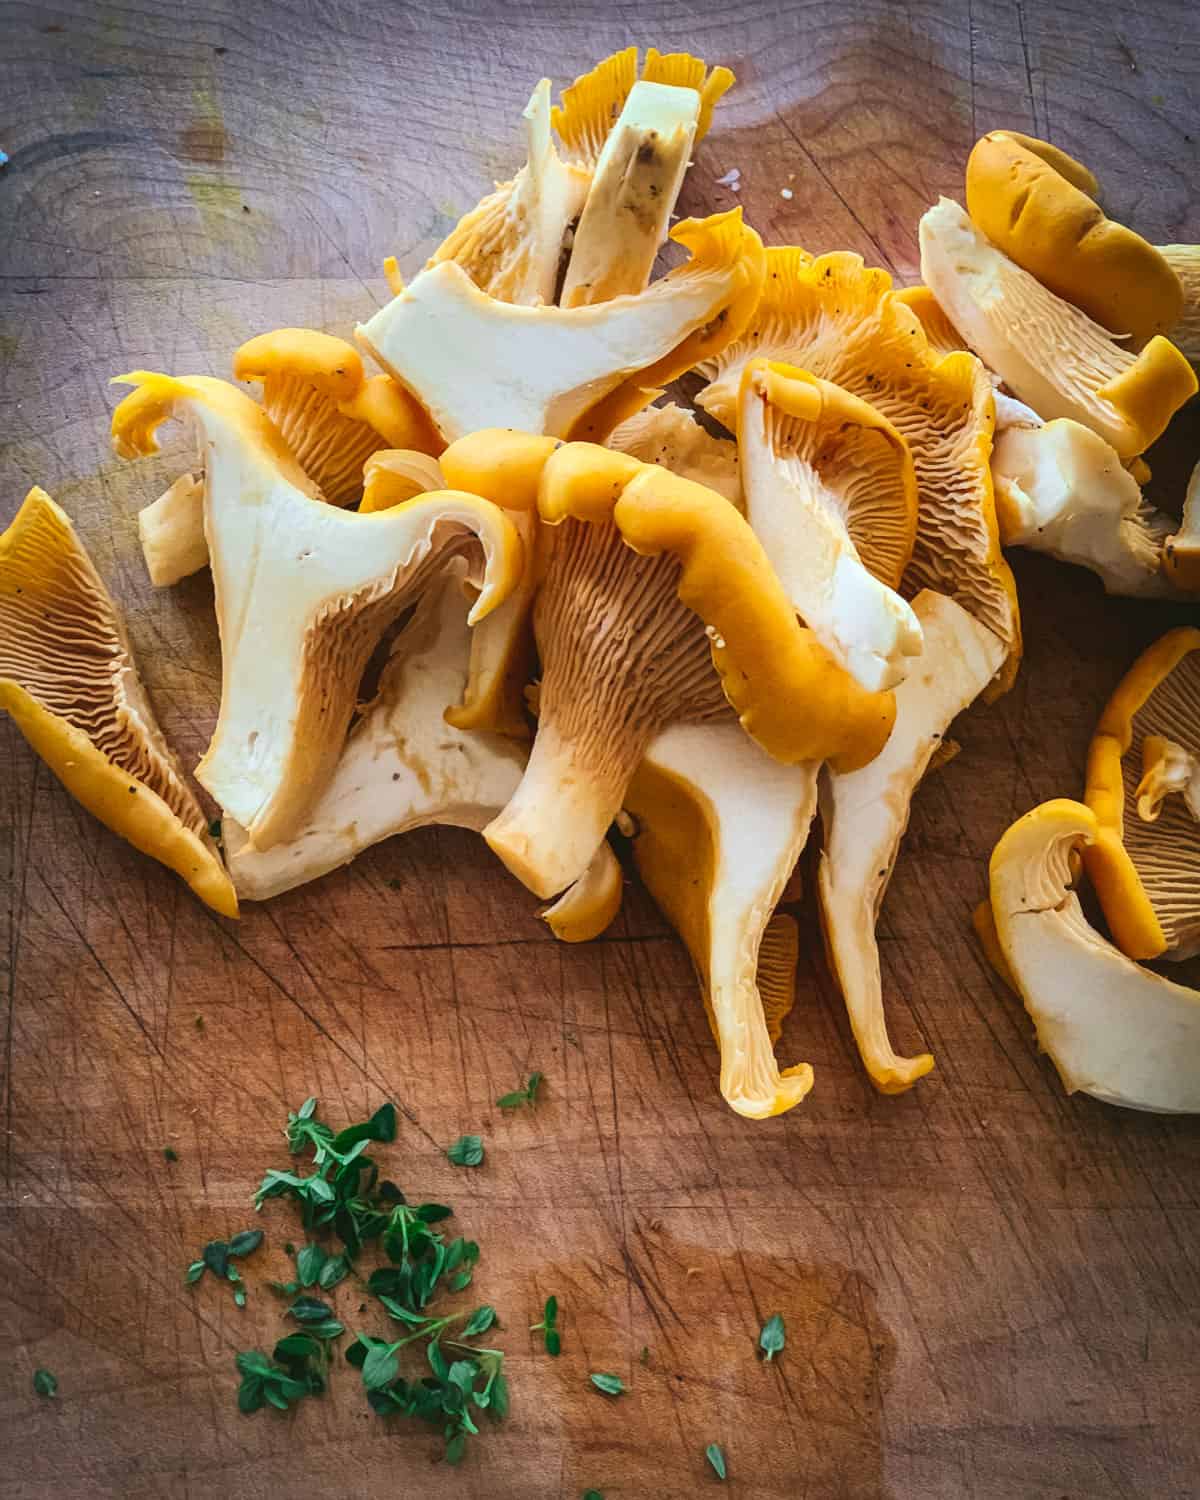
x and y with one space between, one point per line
560 813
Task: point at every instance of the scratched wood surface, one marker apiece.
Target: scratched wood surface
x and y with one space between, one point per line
991 1291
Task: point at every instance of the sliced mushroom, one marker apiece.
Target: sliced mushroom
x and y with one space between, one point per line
68 678
171 531
1147 873
303 594
1054 229
1061 489
671 436
832 495
1113 1030
720 827
841 321
1049 352
638 172
1168 770
866 812
1184 260
477 363
511 245
651 583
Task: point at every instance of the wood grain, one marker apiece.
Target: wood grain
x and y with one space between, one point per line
991 1291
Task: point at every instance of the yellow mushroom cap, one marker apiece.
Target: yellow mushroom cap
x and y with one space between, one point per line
1057 232
330 364
1147 874
68 679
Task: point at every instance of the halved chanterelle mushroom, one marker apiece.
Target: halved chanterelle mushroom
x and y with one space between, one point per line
303 594
69 681
832 495
1146 869
1054 229
1112 1029
651 584
331 415
511 244
1045 349
636 138
720 826
403 767
840 320
476 362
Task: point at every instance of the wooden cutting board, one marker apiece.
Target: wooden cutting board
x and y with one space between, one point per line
991 1291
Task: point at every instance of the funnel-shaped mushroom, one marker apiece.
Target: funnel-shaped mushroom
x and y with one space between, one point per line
1181 554
476 362
330 415
652 582
1184 260
1147 872
647 129
511 244
68 679
1057 232
1168 770
866 813
1113 1030
303 594
670 436
1049 352
1061 489
841 321
403 767
832 495
720 827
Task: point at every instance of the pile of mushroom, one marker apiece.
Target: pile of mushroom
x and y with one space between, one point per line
717 629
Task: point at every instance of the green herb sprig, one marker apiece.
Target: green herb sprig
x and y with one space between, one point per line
216 1257
548 1327
772 1337
521 1097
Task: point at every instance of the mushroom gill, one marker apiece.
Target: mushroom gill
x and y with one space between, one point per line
68 678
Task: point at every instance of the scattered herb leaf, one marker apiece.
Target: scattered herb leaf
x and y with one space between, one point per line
522 1096
716 1457
772 1338
467 1151
44 1383
309 1265
548 1327
170 1153
644 1357
611 1385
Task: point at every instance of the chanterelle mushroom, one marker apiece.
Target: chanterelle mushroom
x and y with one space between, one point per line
403 767
645 131
303 594
1049 352
832 495
68 679
330 414
865 814
1184 260
1112 1029
841 321
652 582
476 362
1147 872
720 827
1061 489
1055 230
511 244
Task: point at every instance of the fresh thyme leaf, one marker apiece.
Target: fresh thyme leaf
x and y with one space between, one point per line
456 1447
194 1272
553 1342
548 1329
523 1096
44 1383
265 1381
467 1151
380 1127
434 1213
550 1312
592 1495
170 1153
461 1281
716 1457
334 1271
297 1346
380 1367
215 1256
531 1088
245 1243
309 1265
479 1321
611 1385
772 1337
309 1310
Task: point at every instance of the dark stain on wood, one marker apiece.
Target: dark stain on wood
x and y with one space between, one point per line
204 141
